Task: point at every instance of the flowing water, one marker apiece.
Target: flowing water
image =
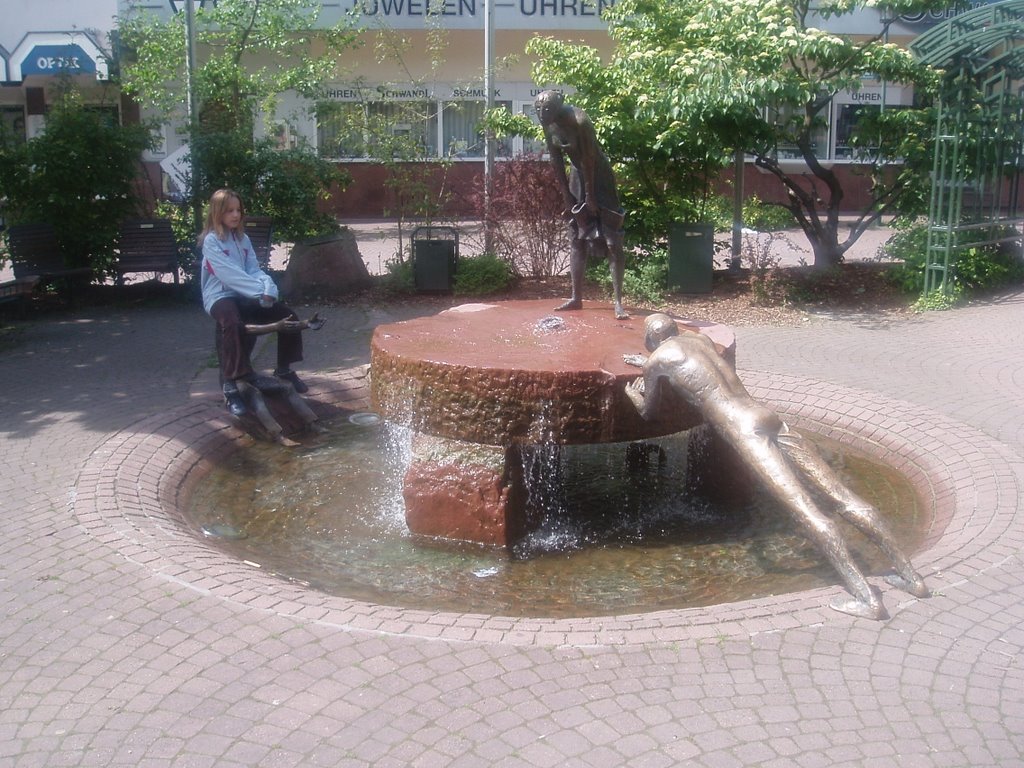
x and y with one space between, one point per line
610 540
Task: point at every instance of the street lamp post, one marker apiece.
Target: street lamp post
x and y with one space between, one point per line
488 133
191 108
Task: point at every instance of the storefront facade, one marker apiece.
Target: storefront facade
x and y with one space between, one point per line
446 86
44 44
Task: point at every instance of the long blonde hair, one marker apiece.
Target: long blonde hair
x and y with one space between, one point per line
215 214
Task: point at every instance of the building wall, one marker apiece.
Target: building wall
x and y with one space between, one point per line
34 34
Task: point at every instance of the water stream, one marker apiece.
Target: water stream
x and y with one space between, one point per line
609 541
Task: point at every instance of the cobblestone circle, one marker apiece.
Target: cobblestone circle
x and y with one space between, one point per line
126 641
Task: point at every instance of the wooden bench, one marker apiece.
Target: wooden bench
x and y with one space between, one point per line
36 256
146 245
18 288
260 230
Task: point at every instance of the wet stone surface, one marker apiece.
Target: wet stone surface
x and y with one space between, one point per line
331 515
513 372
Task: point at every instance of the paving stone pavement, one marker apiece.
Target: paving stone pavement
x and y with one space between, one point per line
124 642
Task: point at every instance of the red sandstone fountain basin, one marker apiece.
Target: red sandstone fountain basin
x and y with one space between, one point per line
478 381
520 372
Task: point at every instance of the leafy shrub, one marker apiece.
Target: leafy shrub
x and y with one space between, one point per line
936 301
525 217
645 277
78 175
481 275
972 268
180 217
759 256
765 217
908 246
285 184
399 277
989 266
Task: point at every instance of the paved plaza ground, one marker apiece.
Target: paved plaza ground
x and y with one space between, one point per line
125 641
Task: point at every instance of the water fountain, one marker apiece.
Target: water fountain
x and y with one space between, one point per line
480 383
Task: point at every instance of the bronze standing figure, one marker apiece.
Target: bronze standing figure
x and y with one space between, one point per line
591 200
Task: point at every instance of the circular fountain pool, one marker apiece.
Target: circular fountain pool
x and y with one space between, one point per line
330 515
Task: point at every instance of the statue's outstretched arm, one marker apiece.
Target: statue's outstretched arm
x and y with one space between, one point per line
288 325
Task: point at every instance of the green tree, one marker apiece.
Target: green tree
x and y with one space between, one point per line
249 53
397 134
285 184
665 174
694 77
78 175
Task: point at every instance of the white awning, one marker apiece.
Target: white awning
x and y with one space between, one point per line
57 53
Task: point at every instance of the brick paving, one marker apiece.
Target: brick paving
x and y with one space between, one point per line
126 641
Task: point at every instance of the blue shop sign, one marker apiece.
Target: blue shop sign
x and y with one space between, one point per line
57 60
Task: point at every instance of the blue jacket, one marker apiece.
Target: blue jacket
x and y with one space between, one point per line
230 269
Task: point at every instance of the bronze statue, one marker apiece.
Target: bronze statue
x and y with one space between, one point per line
254 391
591 201
781 458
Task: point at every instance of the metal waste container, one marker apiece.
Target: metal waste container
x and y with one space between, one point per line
435 257
691 257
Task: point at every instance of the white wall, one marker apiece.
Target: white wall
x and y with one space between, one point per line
23 16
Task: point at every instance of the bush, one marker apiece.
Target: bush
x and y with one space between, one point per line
482 275
78 175
645 276
285 184
399 277
908 246
644 279
180 217
990 266
972 268
527 228
765 217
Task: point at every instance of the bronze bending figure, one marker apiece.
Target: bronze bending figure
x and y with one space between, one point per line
780 457
255 389
592 206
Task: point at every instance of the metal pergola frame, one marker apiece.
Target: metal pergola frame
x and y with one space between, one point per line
979 140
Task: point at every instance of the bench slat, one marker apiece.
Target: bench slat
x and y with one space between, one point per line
35 252
146 245
260 230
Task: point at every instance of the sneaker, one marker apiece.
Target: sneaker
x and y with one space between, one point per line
293 378
233 399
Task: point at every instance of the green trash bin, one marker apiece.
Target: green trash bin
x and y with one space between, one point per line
435 257
691 257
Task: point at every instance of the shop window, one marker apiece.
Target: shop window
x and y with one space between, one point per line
532 146
405 129
848 117
397 129
12 124
341 129
463 134
790 121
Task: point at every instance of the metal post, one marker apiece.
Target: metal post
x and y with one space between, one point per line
488 133
737 209
192 110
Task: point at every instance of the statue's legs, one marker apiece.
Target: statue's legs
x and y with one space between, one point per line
854 509
617 265
586 233
577 269
767 460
